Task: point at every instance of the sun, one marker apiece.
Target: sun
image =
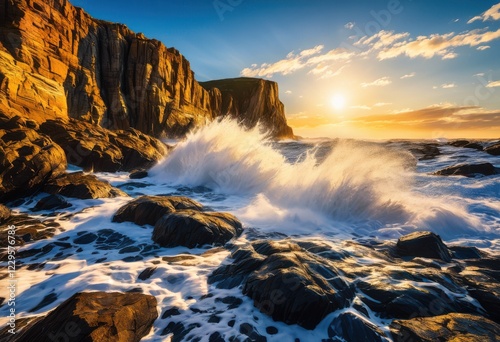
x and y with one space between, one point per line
338 101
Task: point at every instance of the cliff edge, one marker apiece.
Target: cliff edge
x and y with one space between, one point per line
56 61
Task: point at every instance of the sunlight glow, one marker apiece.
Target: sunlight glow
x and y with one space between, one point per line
338 101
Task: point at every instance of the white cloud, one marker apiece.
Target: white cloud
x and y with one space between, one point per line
381 82
349 25
479 74
306 58
382 104
326 71
361 107
410 75
288 92
483 47
491 14
437 44
448 85
493 84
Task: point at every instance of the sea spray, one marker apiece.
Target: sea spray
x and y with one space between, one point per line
360 185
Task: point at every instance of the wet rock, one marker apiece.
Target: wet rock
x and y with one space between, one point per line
467 144
149 209
96 316
426 151
28 229
286 282
451 327
468 170
27 159
147 273
82 186
493 149
52 202
95 148
138 174
354 328
192 228
4 213
423 244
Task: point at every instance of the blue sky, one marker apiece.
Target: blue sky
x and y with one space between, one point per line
375 69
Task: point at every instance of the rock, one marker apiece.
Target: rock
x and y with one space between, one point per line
450 327
149 209
467 144
354 328
468 170
82 186
96 316
493 149
27 159
252 101
138 174
98 149
4 213
52 202
28 229
423 244
425 151
56 59
192 229
286 282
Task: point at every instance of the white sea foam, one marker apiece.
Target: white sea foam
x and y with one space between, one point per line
357 187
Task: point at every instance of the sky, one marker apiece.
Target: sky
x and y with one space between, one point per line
369 69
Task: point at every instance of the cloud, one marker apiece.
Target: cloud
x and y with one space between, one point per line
294 62
381 82
361 107
483 47
326 71
288 92
381 39
493 84
435 44
410 75
349 25
491 14
435 117
382 104
448 85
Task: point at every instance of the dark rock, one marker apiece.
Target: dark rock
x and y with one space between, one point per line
170 312
423 244
450 327
354 328
286 282
96 316
192 228
426 151
147 273
459 143
216 337
468 170
493 149
48 299
467 144
149 209
27 160
82 186
272 330
461 252
52 202
85 239
28 229
252 334
138 174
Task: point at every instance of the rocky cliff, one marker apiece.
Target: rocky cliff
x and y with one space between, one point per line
56 61
252 101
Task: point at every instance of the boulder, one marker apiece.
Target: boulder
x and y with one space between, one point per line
493 149
423 244
98 149
51 202
27 159
467 144
28 229
191 228
355 328
82 186
450 327
286 282
149 209
96 316
468 170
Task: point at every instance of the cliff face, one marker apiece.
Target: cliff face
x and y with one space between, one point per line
57 61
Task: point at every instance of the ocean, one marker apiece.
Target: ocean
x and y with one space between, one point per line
330 191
